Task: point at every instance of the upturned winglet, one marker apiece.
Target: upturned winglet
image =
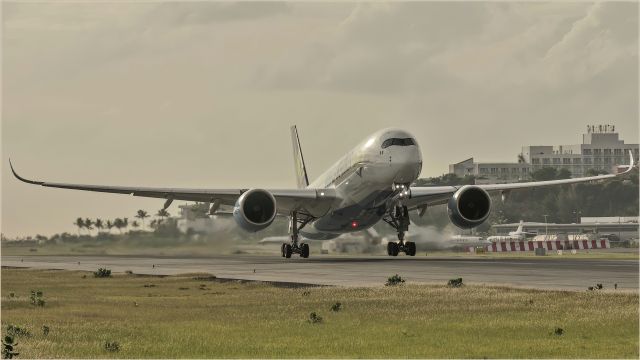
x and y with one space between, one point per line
21 178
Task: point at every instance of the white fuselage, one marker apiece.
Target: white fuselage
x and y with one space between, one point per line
364 179
517 235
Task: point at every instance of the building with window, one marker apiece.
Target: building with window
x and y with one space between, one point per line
491 172
601 149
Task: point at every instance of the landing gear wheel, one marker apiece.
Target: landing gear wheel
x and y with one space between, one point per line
410 248
393 249
282 249
304 250
287 251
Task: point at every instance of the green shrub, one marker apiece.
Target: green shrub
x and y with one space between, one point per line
394 280
12 294
37 298
559 331
102 273
112 346
336 307
45 330
315 318
8 347
17 331
455 282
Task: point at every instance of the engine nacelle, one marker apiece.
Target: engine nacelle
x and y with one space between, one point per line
255 210
469 207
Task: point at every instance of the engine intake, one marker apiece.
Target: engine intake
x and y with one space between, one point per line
469 207
255 210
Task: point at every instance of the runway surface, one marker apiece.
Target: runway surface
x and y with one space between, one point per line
557 273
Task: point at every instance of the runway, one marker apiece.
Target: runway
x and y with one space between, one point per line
556 273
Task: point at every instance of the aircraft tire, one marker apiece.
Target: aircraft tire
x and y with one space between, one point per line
305 250
411 248
287 251
282 249
393 249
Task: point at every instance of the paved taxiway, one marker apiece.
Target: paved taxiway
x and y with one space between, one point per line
561 273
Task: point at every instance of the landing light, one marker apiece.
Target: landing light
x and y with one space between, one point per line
354 224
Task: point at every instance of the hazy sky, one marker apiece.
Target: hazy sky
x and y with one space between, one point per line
203 94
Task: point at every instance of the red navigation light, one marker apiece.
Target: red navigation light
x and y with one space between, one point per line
354 224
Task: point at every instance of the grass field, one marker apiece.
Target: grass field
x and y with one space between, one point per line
153 317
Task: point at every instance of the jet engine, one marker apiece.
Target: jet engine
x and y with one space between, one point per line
469 207
255 210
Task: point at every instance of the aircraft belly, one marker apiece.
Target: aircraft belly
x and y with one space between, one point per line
363 215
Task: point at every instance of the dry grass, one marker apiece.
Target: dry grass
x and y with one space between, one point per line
182 317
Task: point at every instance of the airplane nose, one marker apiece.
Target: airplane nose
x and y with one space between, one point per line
408 165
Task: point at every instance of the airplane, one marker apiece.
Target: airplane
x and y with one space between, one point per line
370 183
513 235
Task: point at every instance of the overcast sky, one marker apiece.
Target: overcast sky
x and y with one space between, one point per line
203 94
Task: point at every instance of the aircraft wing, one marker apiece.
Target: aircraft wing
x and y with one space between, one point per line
309 201
436 195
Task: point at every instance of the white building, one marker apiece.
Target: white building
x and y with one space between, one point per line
601 149
494 172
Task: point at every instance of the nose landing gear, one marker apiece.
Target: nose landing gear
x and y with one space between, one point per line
399 220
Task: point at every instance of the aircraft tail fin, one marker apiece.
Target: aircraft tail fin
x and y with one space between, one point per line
520 226
298 160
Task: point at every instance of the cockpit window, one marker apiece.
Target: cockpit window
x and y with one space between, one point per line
398 142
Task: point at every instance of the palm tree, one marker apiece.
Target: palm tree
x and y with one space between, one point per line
80 224
109 225
88 224
125 223
99 224
162 214
135 224
119 224
142 215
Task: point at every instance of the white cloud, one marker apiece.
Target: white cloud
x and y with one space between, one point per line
425 46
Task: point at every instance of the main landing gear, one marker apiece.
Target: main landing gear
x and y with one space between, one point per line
295 247
399 220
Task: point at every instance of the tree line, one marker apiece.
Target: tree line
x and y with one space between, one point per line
121 223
